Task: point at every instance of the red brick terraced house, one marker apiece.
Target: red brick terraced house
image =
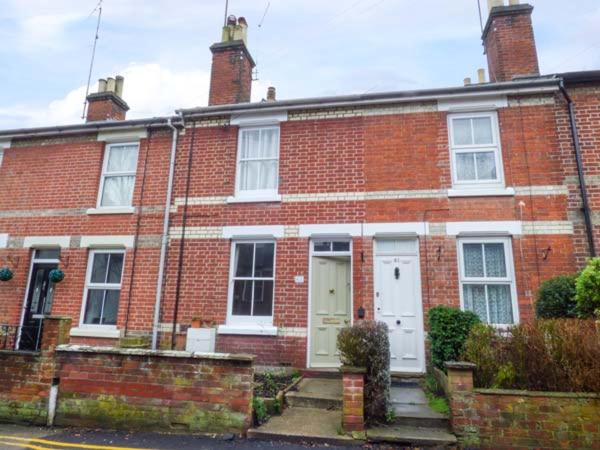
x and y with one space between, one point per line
280 222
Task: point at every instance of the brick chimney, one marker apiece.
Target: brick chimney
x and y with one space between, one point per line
107 104
509 42
232 64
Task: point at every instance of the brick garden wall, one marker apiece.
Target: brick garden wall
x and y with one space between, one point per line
141 389
505 419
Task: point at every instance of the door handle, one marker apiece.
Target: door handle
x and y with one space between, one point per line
398 322
332 291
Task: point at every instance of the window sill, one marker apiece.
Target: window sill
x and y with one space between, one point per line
107 332
255 199
256 330
481 192
116 210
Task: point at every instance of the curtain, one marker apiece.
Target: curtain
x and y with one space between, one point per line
258 165
495 265
482 131
474 300
473 257
118 191
500 304
486 165
122 158
462 131
465 166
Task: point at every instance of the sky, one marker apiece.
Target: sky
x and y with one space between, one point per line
305 48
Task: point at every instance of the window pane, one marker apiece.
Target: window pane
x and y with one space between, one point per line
465 166
322 246
263 298
115 268
268 175
99 268
474 299
243 260
250 144
473 260
118 191
482 130
263 264
93 308
462 131
341 246
47 253
249 175
111 307
500 304
122 158
242 298
486 166
495 265
269 143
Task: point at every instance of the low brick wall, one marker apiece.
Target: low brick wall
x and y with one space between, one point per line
502 419
353 390
160 390
26 377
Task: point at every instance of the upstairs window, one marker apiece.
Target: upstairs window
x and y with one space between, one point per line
258 162
118 175
475 150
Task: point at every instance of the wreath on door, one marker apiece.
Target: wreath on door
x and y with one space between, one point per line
6 274
56 275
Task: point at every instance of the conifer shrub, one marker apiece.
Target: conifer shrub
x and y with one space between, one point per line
366 344
556 298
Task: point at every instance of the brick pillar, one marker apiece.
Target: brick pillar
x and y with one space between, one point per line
353 411
463 415
55 332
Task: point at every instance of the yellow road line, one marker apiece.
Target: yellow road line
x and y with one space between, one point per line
63 444
33 447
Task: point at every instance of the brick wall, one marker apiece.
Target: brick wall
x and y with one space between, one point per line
504 419
25 377
168 391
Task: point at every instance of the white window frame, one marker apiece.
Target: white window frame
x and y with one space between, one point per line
495 146
89 285
257 194
250 320
105 175
509 279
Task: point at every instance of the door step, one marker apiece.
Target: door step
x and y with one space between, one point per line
319 393
412 436
420 416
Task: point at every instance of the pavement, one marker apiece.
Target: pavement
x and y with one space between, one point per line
38 438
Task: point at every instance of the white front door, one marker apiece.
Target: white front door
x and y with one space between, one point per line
398 302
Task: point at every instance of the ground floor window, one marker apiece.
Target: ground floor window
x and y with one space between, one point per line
103 287
487 279
252 281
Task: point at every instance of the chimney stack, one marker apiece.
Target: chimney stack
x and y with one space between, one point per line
509 41
271 94
232 64
107 103
481 76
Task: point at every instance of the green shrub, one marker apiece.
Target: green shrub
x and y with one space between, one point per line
448 330
588 289
556 298
260 411
366 344
546 355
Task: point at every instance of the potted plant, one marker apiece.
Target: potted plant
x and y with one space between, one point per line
56 275
6 274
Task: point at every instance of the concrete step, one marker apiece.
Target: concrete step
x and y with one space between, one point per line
304 425
412 436
320 393
420 416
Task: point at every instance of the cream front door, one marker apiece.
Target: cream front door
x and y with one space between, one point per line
330 308
398 304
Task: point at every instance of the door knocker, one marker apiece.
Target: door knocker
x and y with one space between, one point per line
397 273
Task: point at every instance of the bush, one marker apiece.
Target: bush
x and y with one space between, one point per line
556 298
547 355
366 344
587 289
448 330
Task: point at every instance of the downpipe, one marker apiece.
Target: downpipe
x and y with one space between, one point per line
165 233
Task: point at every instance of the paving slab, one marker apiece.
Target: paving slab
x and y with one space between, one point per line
413 436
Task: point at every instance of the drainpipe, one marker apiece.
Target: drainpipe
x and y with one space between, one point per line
165 233
587 213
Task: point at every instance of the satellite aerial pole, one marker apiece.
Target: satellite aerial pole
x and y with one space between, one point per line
226 11
96 36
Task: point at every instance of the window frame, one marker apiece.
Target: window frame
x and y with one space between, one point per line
510 278
495 146
89 285
257 193
249 319
104 174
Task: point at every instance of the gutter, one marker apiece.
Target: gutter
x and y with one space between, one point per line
165 234
587 212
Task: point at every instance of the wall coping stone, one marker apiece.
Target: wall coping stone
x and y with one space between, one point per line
71 348
459 365
352 369
19 353
519 393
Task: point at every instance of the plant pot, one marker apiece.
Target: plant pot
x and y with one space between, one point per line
196 323
6 274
